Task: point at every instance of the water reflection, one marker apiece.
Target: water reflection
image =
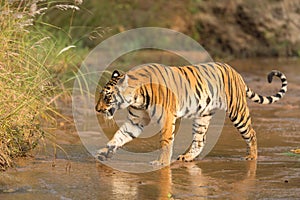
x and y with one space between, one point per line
194 180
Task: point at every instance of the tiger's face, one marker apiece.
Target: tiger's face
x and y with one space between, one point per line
111 96
107 103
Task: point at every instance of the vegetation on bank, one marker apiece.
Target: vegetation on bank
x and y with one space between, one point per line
32 62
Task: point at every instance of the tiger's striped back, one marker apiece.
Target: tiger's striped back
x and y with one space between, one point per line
188 90
196 90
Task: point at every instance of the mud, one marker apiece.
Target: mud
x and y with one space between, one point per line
75 174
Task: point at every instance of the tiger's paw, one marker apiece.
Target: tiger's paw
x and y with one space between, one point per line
185 158
250 157
156 163
159 163
102 154
105 153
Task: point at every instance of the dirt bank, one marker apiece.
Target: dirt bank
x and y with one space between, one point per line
247 28
239 28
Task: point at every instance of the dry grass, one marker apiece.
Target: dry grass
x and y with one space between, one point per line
30 61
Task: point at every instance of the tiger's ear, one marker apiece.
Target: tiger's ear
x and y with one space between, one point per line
115 74
123 82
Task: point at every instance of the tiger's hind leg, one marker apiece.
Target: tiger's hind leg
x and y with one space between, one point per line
242 121
200 126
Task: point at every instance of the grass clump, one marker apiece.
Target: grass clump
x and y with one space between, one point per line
30 61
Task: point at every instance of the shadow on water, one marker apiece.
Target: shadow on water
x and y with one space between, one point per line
220 175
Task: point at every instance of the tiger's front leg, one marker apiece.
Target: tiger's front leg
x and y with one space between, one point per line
125 134
166 141
131 129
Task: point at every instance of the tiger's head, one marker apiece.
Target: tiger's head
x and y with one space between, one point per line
114 95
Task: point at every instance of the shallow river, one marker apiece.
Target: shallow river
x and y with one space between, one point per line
75 174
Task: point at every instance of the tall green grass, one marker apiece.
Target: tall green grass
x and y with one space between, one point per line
32 60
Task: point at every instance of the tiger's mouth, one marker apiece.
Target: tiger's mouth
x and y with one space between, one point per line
109 113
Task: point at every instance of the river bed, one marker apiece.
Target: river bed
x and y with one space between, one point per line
75 174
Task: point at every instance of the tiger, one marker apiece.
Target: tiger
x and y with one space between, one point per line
167 93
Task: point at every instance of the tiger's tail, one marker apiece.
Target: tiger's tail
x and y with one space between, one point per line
269 99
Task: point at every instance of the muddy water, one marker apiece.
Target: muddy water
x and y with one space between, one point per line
220 175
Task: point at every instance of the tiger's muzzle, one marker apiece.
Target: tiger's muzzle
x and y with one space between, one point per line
108 113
